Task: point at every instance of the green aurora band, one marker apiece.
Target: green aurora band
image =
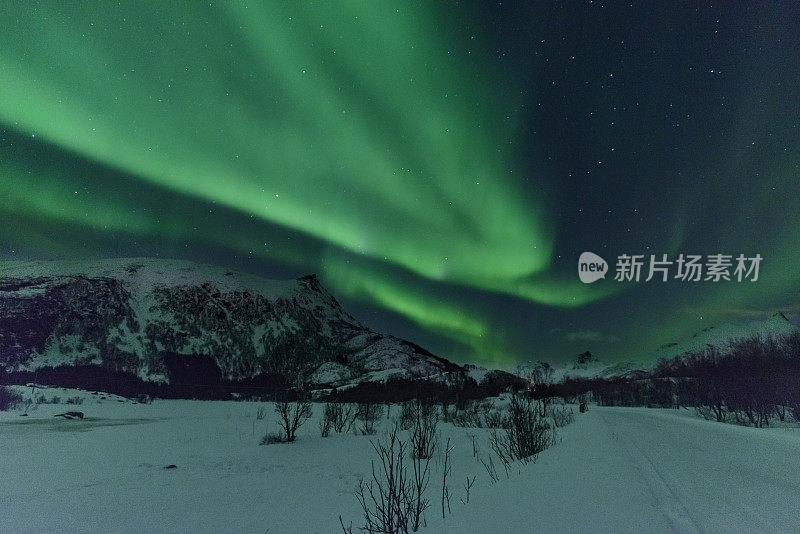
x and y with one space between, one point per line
296 146
343 121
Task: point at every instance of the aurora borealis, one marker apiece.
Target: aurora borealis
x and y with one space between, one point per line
440 166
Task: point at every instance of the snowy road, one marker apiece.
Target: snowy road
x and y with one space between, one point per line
640 470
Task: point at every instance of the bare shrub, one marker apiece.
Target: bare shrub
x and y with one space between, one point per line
75 400
491 469
423 432
780 411
705 413
337 417
344 423
528 433
272 437
324 427
390 499
55 399
468 418
561 416
342 416
468 489
421 476
8 399
447 415
292 415
496 419
479 414
143 399
261 413
446 468
407 415
368 413
795 409
542 406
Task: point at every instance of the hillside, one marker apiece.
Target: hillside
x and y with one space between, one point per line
721 335
170 322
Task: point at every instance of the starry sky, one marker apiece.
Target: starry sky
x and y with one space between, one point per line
440 166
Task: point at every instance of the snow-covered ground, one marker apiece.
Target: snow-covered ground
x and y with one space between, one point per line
614 470
647 470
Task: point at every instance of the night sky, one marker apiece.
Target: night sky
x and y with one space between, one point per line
440 166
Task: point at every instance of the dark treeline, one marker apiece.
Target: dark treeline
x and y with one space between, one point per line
199 381
454 391
752 381
199 377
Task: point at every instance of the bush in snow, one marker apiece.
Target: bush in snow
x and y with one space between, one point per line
496 419
423 431
447 414
142 399
324 427
337 417
407 415
272 437
8 399
393 501
528 433
344 417
291 416
368 413
479 414
561 416
468 417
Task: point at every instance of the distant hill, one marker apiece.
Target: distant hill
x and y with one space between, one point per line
721 335
588 366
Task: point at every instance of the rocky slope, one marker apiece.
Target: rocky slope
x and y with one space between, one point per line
170 321
720 336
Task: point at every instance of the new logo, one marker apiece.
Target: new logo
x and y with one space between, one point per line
591 267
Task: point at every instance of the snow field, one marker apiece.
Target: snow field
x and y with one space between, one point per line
612 470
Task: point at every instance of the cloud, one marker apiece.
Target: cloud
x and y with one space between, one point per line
590 335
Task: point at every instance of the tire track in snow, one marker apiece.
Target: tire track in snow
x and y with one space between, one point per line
677 513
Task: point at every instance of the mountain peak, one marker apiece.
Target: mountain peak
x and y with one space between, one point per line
310 281
779 316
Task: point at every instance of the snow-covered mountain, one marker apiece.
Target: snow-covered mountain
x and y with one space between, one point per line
584 365
589 366
158 319
721 335
600 369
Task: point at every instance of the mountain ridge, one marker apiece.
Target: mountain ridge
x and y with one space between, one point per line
155 319
722 334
